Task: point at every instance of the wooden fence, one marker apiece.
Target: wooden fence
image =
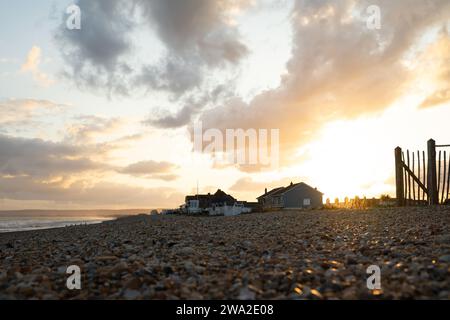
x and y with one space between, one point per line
422 179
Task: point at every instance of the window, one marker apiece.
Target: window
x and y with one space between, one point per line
194 203
306 202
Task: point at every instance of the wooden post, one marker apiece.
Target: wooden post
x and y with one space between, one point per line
399 177
448 180
443 177
418 175
408 194
433 197
424 174
413 182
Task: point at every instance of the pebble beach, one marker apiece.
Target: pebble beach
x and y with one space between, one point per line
318 254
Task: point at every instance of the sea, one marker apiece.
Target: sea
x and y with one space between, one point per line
11 224
26 220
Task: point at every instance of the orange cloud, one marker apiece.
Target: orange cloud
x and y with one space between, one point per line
31 65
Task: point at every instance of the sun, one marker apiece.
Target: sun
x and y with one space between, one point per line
346 160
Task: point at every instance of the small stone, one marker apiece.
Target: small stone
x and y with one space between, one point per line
350 260
105 258
188 266
246 294
168 270
316 294
130 294
120 267
61 269
186 251
134 284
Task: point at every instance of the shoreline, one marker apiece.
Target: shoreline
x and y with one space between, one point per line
29 220
318 254
75 223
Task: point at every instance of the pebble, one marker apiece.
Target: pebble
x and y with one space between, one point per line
131 294
316 254
246 294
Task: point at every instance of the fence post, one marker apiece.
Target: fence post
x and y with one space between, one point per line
399 177
433 197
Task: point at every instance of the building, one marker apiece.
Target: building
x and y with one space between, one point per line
202 202
265 200
295 196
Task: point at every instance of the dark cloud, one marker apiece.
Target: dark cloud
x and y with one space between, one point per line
35 169
179 119
195 27
95 54
43 159
192 106
196 35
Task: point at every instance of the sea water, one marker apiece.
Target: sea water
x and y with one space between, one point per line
10 224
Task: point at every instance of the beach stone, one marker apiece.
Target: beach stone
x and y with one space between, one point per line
62 269
130 294
120 267
105 258
133 284
274 255
246 294
186 251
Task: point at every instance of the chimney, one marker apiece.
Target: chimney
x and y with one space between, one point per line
265 190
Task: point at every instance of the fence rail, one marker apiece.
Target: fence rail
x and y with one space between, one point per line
428 182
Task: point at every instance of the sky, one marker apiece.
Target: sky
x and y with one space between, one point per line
104 116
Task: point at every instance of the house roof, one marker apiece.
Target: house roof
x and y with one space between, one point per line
217 197
282 190
270 193
293 185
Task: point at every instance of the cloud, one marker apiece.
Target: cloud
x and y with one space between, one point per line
35 169
101 194
196 34
8 60
31 65
89 128
437 98
43 159
150 170
95 54
192 106
437 66
24 111
339 69
179 119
